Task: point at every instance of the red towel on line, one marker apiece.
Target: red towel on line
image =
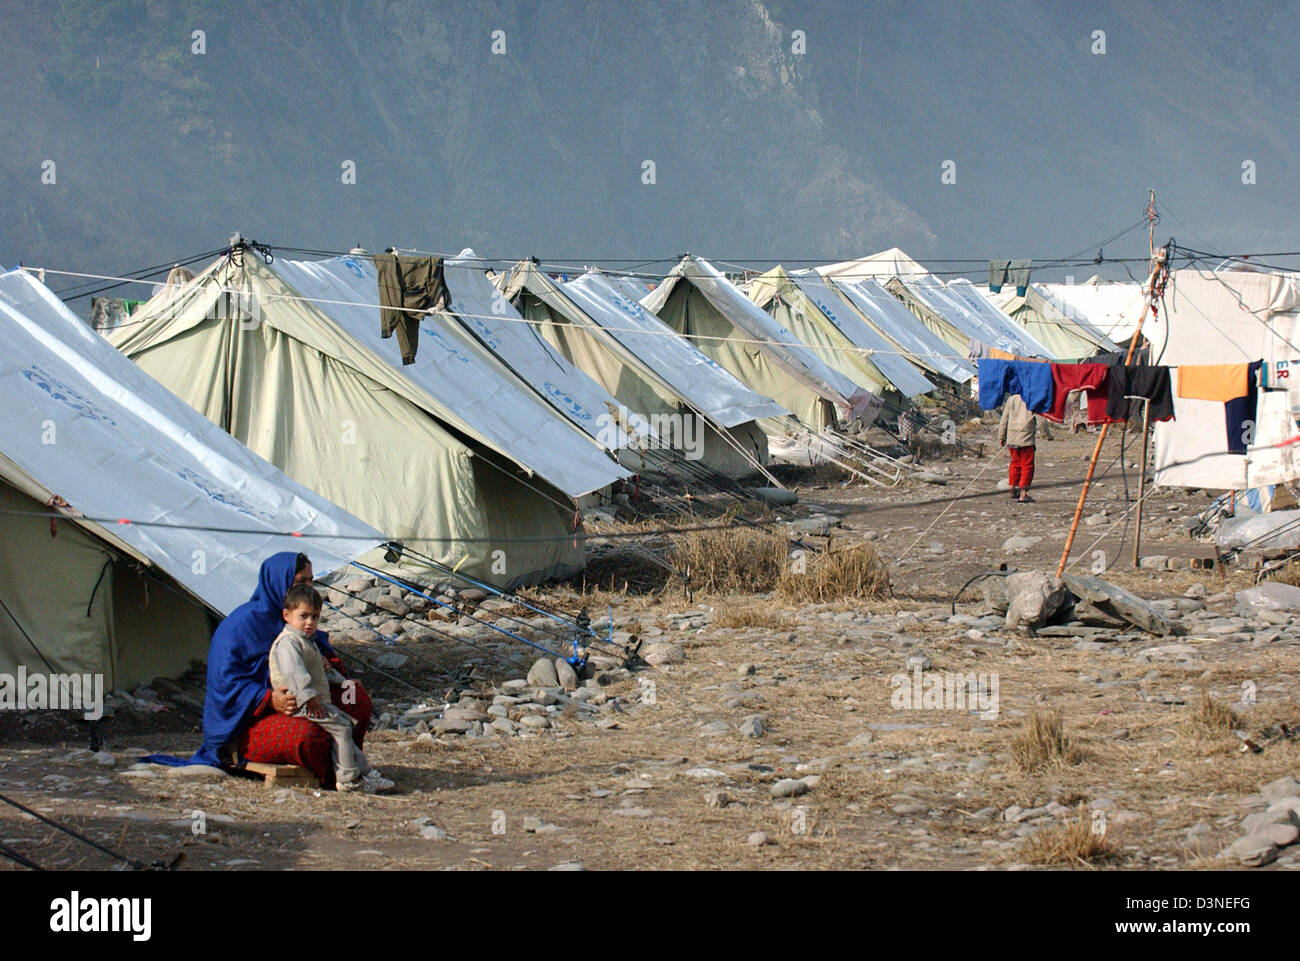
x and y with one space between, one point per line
1089 377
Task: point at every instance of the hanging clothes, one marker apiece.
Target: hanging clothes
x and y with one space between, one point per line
998 270
408 288
1221 382
1129 384
1032 380
1094 378
1140 356
1018 274
1239 412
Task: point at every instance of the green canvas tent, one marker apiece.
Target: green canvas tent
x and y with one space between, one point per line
1066 337
825 322
129 523
267 364
697 301
668 394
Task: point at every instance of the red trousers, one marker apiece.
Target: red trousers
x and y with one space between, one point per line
1021 473
279 739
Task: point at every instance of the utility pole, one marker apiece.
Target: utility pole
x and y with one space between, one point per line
1159 269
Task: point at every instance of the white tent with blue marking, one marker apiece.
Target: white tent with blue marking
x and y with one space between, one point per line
164 518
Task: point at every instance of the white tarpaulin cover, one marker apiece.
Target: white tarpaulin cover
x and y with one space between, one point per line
769 336
480 396
631 287
1226 318
1029 346
932 294
1111 308
957 302
1067 337
483 311
909 381
891 318
124 447
888 263
707 387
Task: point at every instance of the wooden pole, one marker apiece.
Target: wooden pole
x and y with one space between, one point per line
1105 428
1142 479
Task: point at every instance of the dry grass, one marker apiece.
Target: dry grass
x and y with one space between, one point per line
1043 743
751 617
750 560
733 560
1074 844
1213 717
853 572
1288 574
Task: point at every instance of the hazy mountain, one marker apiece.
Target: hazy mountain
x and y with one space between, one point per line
760 150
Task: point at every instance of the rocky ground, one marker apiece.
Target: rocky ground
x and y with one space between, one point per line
763 734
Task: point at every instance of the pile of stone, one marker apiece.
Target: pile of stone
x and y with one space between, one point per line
552 696
1273 825
368 606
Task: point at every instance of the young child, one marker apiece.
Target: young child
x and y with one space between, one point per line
296 663
1018 431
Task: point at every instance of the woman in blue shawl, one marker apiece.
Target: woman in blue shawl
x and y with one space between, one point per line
243 718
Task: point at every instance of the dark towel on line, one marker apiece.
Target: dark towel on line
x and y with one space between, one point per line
1032 380
1240 412
408 287
1128 385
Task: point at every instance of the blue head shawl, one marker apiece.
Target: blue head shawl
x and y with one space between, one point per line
238 675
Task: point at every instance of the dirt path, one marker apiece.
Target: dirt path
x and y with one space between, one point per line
764 693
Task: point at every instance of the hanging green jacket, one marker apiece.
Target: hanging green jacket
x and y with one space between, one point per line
409 287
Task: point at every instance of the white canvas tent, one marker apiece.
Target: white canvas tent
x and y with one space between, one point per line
649 368
168 517
262 360
479 396
955 311
486 316
891 318
819 317
1229 317
697 301
1027 345
893 262
1112 308
1068 337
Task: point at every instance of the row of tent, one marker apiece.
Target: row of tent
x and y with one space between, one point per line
257 406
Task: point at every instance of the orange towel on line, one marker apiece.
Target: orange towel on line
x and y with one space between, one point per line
997 354
1221 382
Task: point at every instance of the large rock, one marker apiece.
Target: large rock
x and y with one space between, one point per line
658 655
1252 851
1119 603
1034 598
995 593
1269 596
1283 787
394 605
543 673
566 675
198 772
